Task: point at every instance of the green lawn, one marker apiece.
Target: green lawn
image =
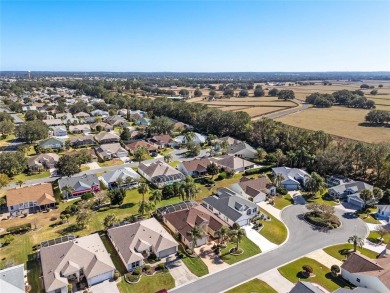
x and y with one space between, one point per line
34 273
195 264
250 249
253 286
282 201
204 191
274 230
174 164
318 199
370 218
24 177
341 251
374 236
112 162
148 284
323 277
121 268
166 151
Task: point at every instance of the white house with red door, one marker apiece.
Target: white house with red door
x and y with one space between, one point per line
79 185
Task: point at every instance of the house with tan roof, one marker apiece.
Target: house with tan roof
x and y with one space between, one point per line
135 145
42 161
110 151
195 167
80 261
30 198
181 222
362 271
135 242
79 141
255 190
80 128
102 138
101 126
233 163
160 173
163 141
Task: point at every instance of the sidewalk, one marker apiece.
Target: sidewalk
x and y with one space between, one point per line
324 258
269 208
276 281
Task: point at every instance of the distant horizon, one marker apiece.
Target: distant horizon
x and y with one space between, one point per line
108 71
195 36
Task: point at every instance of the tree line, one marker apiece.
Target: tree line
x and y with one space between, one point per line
351 99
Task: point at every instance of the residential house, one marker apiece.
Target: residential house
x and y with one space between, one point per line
135 242
107 138
384 212
179 126
59 131
294 178
85 140
30 198
255 190
81 115
235 164
230 140
198 139
102 125
117 120
124 178
81 128
71 121
231 207
80 261
63 115
163 141
52 122
355 290
89 120
42 161
29 108
52 143
195 167
181 222
307 287
364 272
242 150
110 151
79 184
335 180
12 279
135 145
142 121
99 113
90 152
351 190
160 173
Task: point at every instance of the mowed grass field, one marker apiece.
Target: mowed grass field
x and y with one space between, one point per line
340 121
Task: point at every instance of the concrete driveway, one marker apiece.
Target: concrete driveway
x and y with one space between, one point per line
276 281
92 166
263 243
104 287
180 272
213 262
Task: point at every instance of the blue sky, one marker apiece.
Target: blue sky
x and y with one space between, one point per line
193 36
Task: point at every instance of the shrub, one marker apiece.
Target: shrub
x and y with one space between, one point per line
132 278
137 271
147 268
335 269
19 229
222 176
281 190
308 269
189 251
258 170
230 173
53 218
87 195
116 275
161 266
8 239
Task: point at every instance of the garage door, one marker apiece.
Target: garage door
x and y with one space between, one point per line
169 251
100 278
243 222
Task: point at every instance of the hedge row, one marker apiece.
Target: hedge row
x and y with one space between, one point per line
258 170
19 229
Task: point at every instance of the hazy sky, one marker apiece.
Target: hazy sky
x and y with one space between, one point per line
195 35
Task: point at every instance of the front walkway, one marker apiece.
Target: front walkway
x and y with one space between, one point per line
374 247
276 281
213 262
324 258
180 272
271 209
263 243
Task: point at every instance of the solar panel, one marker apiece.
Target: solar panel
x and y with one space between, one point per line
57 240
176 207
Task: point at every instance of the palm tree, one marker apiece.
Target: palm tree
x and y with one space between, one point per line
67 190
129 180
260 154
278 179
168 158
316 183
189 136
189 187
143 188
141 154
356 240
223 233
239 234
120 182
157 196
195 233
20 183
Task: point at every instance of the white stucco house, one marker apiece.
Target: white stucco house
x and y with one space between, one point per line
384 212
294 178
198 139
255 190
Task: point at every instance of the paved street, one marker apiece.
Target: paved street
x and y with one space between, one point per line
303 106
302 240
178 155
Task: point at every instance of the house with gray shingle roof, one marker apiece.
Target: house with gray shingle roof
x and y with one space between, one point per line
256 189
306 287
107 138
52 143
384 212
12 279
233 163
242 150
294 178
80 184
79 260
231 207
110 151
160 173
126 175
351 190
135 242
